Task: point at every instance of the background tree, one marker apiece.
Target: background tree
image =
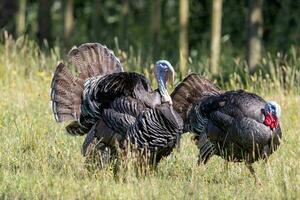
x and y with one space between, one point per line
254 33
183 35
68 18
155 27
8 9
96 18
216 26
21 17
124 21
44 21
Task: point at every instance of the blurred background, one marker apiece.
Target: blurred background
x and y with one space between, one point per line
209 36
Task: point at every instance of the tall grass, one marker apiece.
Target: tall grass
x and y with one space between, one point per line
39 161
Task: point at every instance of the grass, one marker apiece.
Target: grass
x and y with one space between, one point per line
38 160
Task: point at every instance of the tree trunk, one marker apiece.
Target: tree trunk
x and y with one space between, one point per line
96 20
124 21
183 35
69 18
254 33
21 18
155 27
8 9
44 21
215 35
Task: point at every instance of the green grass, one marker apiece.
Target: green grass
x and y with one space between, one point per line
38 160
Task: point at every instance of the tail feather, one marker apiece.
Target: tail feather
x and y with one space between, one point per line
90 60
189 91
65 94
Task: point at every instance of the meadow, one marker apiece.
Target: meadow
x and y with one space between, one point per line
38 160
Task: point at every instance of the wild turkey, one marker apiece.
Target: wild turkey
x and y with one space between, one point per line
236 125
113 106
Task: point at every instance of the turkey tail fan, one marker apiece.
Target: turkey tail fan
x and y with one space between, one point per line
94 59
66 93
189 91
90 59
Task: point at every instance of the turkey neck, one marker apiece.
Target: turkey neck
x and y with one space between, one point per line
162 88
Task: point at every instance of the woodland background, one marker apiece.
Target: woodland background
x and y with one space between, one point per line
172 29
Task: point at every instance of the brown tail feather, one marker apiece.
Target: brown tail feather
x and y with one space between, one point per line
90 59
189 91
65 94
93 59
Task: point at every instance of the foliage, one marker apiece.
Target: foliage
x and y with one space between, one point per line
94 21
39 161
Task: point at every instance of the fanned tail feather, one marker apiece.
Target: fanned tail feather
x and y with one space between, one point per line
189 91
93 59
66 93
90 60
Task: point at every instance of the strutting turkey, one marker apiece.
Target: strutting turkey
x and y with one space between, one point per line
113 106
236 125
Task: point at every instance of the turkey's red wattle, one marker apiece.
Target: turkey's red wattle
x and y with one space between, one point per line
271 120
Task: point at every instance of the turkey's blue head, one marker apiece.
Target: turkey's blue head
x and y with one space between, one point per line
272 113
164 73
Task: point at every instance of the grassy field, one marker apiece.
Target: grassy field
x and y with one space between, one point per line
38 160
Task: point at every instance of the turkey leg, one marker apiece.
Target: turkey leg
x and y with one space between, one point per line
252 171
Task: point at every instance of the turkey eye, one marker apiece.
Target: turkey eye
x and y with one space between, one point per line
273 109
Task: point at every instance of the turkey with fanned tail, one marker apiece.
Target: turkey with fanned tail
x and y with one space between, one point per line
236 125
112 106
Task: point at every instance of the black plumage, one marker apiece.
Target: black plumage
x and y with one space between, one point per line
112 106
100 92
239 114
229 124
129 120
